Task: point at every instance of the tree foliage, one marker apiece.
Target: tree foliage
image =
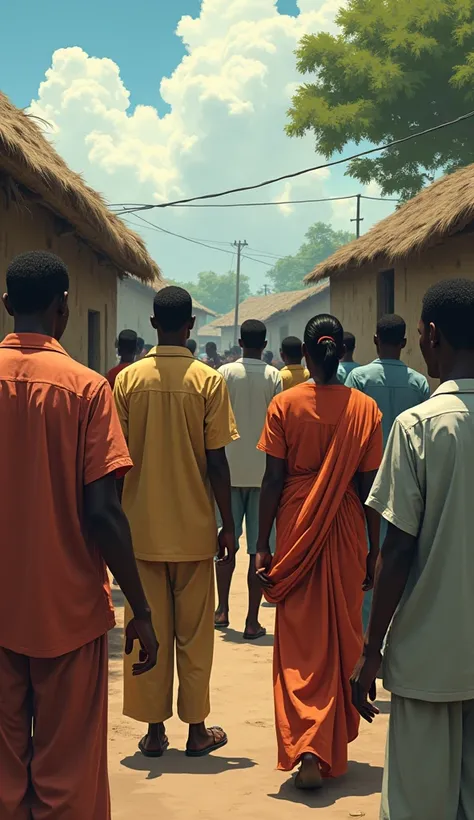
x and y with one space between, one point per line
321 242
215 290
395 68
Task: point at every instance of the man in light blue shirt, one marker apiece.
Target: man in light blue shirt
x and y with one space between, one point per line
347 363
394 386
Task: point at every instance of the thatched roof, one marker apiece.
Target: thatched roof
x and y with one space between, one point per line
29 159
265 308
441 210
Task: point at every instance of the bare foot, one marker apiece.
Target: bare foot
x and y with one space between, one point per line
155 742
309 776
202 741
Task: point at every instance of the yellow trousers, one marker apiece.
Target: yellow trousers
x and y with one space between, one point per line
181 598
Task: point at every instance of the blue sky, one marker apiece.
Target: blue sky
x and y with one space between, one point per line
152 100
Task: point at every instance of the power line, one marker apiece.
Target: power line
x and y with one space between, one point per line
294 174
260 261
179 236
144 206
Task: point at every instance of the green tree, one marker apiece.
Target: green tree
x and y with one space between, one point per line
321 242
216 290
396 67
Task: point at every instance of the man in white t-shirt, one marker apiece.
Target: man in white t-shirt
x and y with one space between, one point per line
252 384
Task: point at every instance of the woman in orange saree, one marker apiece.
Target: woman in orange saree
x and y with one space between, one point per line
324 445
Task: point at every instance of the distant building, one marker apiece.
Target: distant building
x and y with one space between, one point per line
135 306
209 333
46 206
388 270
285 314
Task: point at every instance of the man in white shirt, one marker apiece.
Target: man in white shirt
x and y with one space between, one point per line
252 384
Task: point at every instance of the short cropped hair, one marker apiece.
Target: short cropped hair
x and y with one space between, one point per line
34 280
140 344
292 347
349 341
391 329
173 307
253 334
191 344
450 306
127 341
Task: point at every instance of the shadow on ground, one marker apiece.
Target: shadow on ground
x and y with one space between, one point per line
361 780
176 762
230 635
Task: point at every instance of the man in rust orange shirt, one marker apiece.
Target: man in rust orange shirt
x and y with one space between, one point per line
127 349
61 450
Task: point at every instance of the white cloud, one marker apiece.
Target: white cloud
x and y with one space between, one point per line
228 100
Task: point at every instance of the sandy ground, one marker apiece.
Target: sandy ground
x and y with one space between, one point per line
240 779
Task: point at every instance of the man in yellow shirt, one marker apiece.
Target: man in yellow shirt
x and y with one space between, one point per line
176 415
291 354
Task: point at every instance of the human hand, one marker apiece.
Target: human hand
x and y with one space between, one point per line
227 546
371 564
363 684
141 629
263 565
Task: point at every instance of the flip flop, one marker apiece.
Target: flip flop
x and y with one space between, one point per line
155 752
250 636
214 746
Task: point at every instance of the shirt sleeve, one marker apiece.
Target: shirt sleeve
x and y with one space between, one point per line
372 458
105 447
121 404
396 493
273 440
425 390
351 381
278 385
219 422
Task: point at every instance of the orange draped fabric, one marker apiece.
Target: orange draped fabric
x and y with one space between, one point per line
326 434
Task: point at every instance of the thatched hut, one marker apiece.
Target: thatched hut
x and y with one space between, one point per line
284 314
46 206
388 270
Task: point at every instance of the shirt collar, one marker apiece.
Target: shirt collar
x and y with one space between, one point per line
396 362
294 367
169 351
458 386
32 341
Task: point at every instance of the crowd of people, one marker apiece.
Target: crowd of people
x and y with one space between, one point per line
366 477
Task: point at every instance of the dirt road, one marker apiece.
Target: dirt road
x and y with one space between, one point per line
241 779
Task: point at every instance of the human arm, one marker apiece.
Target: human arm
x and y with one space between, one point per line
108 530
219 477
391 576
270 494
372 519
106 459
398 495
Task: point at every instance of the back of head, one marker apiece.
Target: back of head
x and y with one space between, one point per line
140 345
253 334
191 344
323 338
127 342
173 309
349 342
34 280
449 305
292 349
391 330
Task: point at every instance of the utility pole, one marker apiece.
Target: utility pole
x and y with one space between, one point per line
358 218
239 245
